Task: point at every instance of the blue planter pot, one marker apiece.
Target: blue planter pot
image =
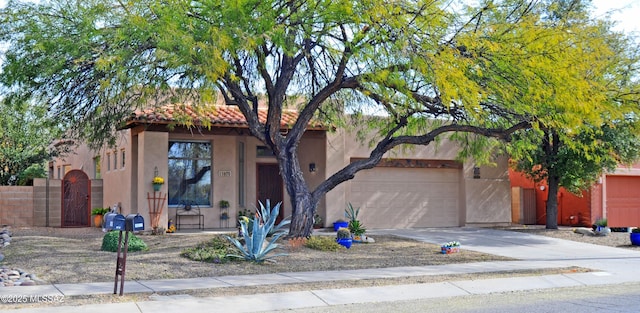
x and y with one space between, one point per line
635 239
338 225
345 242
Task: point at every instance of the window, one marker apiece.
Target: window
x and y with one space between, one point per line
122 158
115 160
59 172
96 168
189 178
108 162
264 152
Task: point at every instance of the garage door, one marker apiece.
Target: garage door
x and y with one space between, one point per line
623 201
406 197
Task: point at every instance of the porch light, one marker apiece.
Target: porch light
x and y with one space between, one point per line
312 167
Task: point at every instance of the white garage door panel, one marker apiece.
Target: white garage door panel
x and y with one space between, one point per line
406 197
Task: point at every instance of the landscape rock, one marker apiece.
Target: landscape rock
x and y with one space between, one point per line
12 276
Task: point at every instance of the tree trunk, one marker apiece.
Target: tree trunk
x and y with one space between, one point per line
552 202
302 201
302 218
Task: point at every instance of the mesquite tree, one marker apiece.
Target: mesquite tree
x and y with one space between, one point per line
423 68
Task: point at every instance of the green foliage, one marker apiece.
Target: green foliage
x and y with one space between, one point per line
577 160
100 211
25 142
33 171
256 247
317 220
244 212
602 222
351 213
323 243
635 230
110 242
355 226
214 250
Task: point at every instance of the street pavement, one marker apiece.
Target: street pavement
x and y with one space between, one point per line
610 266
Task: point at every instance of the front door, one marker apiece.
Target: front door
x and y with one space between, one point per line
270 186
75 199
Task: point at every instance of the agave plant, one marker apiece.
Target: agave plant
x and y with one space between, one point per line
351 213
262 225
355 226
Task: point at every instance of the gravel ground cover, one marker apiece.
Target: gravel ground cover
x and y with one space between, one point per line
59 255
73 255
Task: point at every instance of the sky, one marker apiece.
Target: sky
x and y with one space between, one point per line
626 12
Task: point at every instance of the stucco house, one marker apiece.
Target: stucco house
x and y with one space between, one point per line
614 197
423 186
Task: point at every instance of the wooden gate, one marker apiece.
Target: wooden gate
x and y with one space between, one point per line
76 199
529 206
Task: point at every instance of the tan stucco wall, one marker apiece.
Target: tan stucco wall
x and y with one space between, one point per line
79 158
152 154
482 201
488 198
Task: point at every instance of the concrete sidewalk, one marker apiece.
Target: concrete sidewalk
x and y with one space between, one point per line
612 265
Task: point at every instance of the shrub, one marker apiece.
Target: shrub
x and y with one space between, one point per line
602 222
110 242
215 250
636 230
323 243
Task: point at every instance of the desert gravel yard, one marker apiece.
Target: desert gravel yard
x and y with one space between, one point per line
58 255
73 255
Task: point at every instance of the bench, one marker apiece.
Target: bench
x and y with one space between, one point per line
189 211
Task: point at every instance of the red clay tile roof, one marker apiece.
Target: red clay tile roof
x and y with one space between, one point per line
221 116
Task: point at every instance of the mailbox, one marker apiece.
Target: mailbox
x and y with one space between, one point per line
114 221
134 222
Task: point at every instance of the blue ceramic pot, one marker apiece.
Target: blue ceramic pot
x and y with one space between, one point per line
338 225
635 239
345 242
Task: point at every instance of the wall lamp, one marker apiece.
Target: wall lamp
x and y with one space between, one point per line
312 167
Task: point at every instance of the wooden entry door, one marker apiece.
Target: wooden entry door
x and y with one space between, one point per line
270 186
76 193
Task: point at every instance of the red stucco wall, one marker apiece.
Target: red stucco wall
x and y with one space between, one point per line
572 210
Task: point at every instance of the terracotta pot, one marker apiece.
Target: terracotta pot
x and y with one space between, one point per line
97 221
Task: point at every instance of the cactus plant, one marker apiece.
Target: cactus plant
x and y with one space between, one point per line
343 233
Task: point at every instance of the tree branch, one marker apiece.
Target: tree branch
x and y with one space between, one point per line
388 143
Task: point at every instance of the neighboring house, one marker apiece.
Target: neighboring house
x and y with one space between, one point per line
423 186
615 197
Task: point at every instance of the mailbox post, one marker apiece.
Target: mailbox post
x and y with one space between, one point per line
114 221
